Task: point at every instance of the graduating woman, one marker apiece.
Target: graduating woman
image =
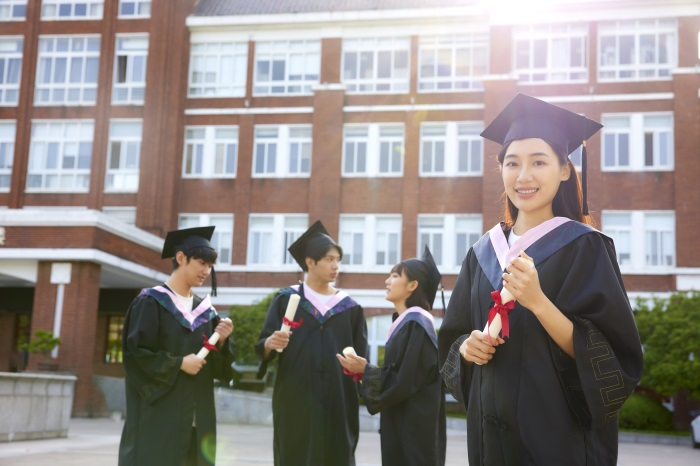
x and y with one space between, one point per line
549 394
407 389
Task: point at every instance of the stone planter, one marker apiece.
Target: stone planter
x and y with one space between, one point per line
35 405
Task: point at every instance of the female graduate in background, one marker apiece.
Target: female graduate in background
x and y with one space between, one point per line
407 389
550 393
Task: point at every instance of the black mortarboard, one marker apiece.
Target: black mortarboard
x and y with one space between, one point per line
186 240
526 117
313 241
426 272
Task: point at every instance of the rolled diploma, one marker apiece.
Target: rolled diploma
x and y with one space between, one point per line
212 341
349 350
290 313
495 328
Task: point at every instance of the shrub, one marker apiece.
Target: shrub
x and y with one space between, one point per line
643 413
247 323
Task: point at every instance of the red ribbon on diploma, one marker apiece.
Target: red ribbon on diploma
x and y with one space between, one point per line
208 345
356 376
291 323
503 310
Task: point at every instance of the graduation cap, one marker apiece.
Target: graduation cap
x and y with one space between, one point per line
527 117
186 240
312 242
426 272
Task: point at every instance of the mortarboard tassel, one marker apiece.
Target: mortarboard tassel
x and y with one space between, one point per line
584 169
442 292
213 282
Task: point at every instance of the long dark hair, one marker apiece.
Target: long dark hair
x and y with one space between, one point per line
568 202
418 298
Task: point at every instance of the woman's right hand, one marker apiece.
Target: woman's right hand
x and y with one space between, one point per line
477 348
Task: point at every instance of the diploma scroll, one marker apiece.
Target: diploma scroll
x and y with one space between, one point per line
494 328
213 340
289 314
349 350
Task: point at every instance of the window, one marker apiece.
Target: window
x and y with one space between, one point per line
551 53
370 240
630 50
288 67
222 239
269 236
377 330
67 70
7 152
643 239
373 150
448 236
130 70
282 151
638 142
453 63
210 152
123 156
10 70
60 155
72 9
376 65
115 327
13 10
451 149
123 214
218 69
134 8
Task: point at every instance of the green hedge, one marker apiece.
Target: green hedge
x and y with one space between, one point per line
644 413
247 323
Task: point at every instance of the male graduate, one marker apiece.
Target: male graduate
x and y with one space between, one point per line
170 413
315 406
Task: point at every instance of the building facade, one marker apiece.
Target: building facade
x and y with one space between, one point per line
121 120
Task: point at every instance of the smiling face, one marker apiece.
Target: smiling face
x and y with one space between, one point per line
532 174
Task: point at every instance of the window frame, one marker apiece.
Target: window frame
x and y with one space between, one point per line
368 227
137 6
282 142
280 231
375 46
11 6
373 149
219 86
533 34
76 173
7 146
310 48
637 130
636 28
130 85
209 151
123 157
637 229
452 140
7 57
451 226
452 44
83 87
56 5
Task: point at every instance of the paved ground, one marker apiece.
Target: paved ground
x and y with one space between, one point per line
95 441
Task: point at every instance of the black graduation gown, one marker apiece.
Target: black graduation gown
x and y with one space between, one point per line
532 404
161 400
407 390
315 406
